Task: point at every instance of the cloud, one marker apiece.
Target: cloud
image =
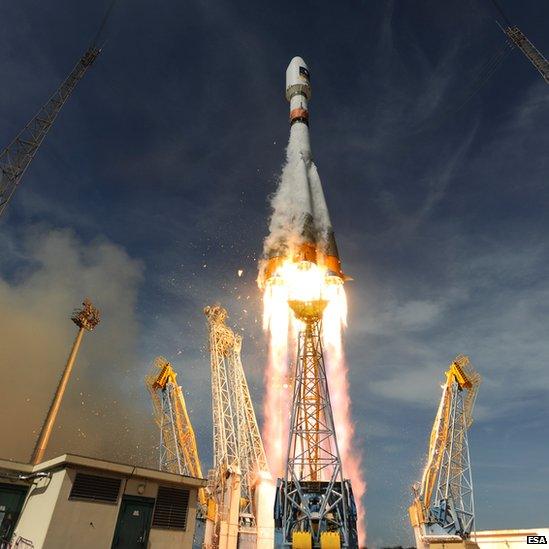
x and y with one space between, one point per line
415 386
491 306
411 315
102 412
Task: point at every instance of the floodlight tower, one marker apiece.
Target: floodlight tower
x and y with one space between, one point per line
86 318
314 505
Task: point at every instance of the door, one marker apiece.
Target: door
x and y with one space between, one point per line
12 497
134 523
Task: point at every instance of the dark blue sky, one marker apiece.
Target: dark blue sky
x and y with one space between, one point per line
152 191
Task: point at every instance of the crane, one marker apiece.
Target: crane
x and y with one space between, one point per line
314 506
519 39
17 156
240 480
178 448
443 505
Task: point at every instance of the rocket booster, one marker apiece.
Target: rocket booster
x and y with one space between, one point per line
300 228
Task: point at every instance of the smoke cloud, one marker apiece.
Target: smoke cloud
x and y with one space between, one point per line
105 412
299 211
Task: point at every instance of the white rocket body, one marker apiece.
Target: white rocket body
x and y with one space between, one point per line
298 90
300 227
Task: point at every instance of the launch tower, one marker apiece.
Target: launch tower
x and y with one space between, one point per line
314 504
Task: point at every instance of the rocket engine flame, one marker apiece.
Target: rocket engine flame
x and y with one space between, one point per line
306 281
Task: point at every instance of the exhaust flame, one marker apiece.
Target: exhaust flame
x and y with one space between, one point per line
307 281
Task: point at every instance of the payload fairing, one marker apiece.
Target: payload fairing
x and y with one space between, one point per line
300 228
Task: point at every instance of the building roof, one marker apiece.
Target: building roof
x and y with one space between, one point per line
71 461
507 534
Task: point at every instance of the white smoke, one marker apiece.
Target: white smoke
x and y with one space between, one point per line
298 200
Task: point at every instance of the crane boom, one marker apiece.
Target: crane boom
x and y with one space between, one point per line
519 39
443 505
16 157
535 57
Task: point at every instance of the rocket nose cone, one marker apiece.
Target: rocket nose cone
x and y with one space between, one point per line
298 78
297 62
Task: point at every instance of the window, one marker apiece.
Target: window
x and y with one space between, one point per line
95 488
171 509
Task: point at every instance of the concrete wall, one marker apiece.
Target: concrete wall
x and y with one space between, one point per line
168 539
82 524
38 508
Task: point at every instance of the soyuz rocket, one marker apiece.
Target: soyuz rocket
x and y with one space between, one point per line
301 229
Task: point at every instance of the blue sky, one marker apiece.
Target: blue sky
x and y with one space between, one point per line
152 191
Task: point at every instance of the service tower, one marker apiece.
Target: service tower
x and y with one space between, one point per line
314 504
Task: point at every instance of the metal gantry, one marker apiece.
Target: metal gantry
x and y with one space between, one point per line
443 506
178 451
222 341
314 503
252 458
239 457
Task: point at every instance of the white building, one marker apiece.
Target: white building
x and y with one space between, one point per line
74 502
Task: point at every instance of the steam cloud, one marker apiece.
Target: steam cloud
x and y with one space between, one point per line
99 415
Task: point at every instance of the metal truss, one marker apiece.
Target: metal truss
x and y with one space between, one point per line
453 505
529 50
313 497
170 452
251 453
16 157
237 441
178 452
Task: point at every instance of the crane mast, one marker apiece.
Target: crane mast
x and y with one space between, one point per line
239 482
178 448
443 505
16 157
314 505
